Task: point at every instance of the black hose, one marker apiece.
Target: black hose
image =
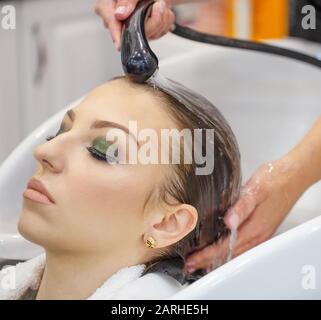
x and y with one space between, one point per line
194 35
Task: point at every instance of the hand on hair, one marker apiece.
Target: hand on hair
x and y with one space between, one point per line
264 202
114 12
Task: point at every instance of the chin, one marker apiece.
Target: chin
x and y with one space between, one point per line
32 227
38 229
25 228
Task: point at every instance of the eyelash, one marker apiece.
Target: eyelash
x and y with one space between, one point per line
93 152
50 137
100 156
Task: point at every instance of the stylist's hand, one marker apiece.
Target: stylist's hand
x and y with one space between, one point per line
264 202
114 12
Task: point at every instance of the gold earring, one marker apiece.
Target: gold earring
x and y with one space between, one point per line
151 242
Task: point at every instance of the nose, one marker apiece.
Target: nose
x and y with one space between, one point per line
50 155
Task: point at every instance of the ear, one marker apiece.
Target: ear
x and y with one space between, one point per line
174 225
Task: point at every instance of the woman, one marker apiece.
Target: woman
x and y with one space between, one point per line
121 227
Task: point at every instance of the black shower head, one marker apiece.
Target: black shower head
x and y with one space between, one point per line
138 60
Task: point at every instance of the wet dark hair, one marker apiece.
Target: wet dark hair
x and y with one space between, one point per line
210 194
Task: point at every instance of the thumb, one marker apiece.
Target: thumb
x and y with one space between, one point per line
250 198
124 8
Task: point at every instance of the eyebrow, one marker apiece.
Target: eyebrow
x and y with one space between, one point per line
98 124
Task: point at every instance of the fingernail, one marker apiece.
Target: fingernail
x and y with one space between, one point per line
173 27
121 10
161 6
190 270
190 264
233 221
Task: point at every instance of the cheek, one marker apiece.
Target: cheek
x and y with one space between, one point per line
110 191
103 200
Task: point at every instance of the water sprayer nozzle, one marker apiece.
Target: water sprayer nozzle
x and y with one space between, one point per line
138 60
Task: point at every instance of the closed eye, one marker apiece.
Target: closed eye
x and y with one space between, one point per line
101 156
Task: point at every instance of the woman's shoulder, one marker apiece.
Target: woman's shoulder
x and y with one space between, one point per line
153 285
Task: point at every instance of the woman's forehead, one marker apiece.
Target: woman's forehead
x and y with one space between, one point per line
112 101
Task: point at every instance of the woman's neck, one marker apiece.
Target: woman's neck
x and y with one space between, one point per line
77 276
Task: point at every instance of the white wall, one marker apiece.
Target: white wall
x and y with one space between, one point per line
9 97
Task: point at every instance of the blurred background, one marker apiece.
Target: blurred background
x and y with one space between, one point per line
60 50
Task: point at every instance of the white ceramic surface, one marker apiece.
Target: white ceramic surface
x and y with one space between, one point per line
270 102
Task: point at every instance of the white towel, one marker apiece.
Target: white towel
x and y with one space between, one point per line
127 283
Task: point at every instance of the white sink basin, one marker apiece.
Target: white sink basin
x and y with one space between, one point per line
270 103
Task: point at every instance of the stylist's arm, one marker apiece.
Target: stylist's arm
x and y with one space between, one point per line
114 12
266 199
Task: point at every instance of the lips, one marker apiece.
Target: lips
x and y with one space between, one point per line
37 192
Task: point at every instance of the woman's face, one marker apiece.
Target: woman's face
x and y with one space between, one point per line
98 207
